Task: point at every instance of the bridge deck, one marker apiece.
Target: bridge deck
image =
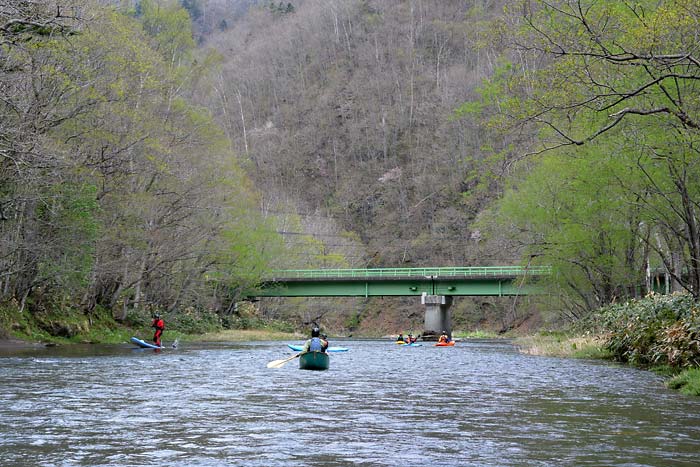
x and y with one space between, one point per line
388 273
491 280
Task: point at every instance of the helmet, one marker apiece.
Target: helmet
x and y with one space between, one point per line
156 315
324 336
315 332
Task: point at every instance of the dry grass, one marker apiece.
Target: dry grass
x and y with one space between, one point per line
236 335
562 346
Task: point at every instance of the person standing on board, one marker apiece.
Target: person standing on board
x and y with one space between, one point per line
315 344
159 326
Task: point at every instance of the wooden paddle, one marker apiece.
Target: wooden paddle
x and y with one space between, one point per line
281 363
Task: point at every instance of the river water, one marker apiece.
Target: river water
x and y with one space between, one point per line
480 403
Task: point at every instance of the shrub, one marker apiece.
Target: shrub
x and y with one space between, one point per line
191 321
187 321
659 329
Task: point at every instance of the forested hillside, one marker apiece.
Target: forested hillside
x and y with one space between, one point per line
118 192
403 122
345 110
165 154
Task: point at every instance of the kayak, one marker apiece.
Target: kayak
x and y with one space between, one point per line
445 344
314 361
144 344
413 344
299 348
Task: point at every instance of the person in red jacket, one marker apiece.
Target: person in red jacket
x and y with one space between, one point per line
159 326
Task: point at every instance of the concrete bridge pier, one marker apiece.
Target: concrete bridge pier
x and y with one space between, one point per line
437 316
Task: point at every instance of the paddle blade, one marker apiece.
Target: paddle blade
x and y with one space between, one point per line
280 363
276 363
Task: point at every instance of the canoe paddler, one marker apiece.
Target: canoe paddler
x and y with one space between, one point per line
443 339
315 344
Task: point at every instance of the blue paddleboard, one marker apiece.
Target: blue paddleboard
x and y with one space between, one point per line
144 344
297 348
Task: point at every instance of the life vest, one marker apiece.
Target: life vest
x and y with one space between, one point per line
159 324
316 345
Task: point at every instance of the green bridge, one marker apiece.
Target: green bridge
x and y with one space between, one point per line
380 282
435 286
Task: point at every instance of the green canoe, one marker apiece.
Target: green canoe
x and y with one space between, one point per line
314 361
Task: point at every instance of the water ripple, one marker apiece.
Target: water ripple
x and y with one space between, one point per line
477 404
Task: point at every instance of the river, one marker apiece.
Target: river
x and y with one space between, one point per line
480 403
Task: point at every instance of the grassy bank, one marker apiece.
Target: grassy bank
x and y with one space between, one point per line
477 334
687 381
62 326
242 335
563 345
67 326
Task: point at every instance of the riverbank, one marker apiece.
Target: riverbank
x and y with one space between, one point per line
240 335
686 381
561 345
230 335
22 329
17 344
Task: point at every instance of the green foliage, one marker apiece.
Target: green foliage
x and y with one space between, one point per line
353 320
188 321
170 25
123 193
281 8
191 321
61 325
687 381
243 322
597 213
71 220
574 210
659 329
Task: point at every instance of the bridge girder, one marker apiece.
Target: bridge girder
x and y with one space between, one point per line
492 286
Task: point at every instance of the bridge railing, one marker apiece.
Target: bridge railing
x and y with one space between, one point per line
476 271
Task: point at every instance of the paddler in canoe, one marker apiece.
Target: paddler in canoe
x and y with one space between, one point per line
400 339
444 338
313 355
316 343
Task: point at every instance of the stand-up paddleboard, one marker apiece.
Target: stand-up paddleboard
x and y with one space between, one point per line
298 348
144 344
